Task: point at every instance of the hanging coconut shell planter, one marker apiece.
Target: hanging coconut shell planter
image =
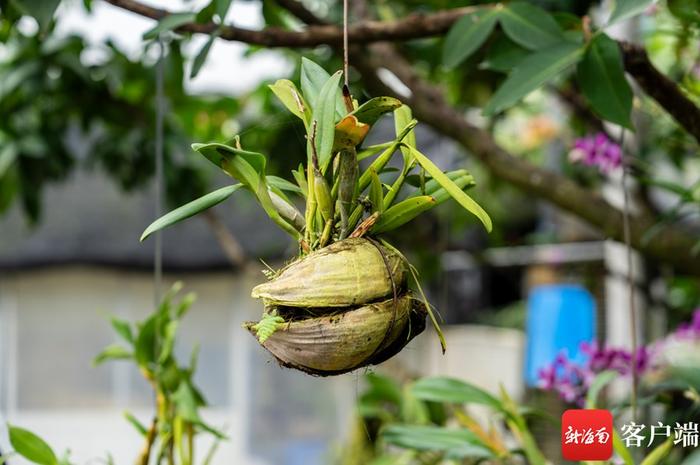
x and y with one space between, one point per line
349 299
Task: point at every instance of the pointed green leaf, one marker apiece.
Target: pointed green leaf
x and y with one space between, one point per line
168 23
659 453
457 443
289 95
249 169
621 450
533 72
376 192
370 111
122 328
190 209
449 390
324 116
31 447
222 7
403 212
145 345
530 26
625 9
503 55
601 380
42 10
112 352
313 77
601 77
402 117
467 35
283 184
138 426
202 56
463 199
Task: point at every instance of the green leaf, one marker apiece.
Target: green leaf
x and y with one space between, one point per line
324 116
112 352
8 155
202 55
168 341
625 9
463 199
533 72
249 169
601 380
602 80
403 212
382 389
190 209
31 447
289 95
283 184
658 453
122 328
313 77
457 443
503 55
267 326
467 35
138 426
168 23
402 118
621 449
530 26
42 10
222 7
449 390
376 192
370 111
145 345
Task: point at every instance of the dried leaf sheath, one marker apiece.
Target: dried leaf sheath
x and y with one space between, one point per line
344 274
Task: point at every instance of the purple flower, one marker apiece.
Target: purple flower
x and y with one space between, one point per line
598 151
690 330
572 380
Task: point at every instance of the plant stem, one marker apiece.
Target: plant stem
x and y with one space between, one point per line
631 285
145 454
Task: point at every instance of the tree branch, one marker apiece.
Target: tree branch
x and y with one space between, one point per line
661 88
417 26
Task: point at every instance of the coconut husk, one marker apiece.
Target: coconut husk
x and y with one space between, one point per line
347 273
345 341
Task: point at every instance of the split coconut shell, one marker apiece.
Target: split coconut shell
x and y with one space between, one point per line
342 342
347 273
345 307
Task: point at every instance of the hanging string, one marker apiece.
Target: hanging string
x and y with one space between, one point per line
160 108
630 281
345 42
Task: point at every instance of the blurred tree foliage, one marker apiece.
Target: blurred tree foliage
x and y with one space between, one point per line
57 98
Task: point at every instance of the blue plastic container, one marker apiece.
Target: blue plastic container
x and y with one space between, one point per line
559 318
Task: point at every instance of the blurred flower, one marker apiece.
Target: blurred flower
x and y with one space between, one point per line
690 330
598 151
572 380
537 131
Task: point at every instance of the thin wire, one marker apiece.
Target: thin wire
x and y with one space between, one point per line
630 282
345 41
160 106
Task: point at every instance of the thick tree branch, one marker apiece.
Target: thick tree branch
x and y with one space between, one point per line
429 105
416 26
661 88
